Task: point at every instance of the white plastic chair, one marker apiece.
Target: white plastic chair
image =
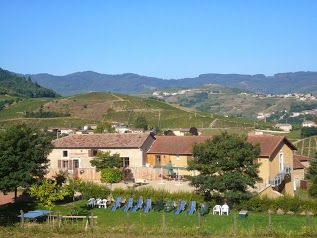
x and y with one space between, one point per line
91 202
216 209
225 209
103 203
97 202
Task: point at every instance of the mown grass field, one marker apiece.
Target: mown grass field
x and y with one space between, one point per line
157 224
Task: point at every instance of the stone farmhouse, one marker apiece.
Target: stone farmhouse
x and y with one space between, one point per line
72 154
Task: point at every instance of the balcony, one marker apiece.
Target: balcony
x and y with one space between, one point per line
278 179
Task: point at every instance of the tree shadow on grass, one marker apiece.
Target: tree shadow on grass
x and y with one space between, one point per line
9 212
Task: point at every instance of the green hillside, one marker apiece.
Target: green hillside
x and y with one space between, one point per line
97 106
306 146
224 101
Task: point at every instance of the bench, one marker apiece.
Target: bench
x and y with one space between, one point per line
243 214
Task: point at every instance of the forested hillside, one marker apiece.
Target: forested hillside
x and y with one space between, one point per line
14 85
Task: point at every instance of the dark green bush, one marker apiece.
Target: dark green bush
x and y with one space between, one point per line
259 204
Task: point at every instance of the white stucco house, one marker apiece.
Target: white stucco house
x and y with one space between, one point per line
308 124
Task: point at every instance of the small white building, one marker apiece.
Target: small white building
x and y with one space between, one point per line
180 131
284 127
309 124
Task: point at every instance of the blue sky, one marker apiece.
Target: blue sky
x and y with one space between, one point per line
167 39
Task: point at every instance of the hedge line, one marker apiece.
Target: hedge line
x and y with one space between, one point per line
283 204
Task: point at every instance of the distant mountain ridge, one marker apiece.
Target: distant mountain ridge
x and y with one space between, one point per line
83 82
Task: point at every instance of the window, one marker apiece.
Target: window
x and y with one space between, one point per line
177 157
76 163
92 153
281 161
157 160
65 153
125 162
64 164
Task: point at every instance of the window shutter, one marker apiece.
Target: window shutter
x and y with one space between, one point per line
70 164
59 164
90 153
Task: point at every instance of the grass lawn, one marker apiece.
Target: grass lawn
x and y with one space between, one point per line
133 224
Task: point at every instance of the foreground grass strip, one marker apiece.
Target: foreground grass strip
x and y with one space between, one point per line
139 224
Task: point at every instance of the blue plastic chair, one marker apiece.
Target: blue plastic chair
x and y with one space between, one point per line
192 208
169 206
148 205
138 205
128 205
117 204
204 209
181 207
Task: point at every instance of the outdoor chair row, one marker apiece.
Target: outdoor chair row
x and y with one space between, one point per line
98 202
159 205
218 209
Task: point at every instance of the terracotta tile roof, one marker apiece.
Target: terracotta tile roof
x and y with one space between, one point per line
297 164
109 140
269 143
302 158
177 145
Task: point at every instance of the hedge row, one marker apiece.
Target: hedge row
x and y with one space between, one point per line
283 204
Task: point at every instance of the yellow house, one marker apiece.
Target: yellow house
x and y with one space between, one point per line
276 159
301 163
303 160
276 163
177 149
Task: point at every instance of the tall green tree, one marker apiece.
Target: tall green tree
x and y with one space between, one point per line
312 175
23 157
141 122
225 166
105 160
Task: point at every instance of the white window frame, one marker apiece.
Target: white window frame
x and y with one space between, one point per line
281 161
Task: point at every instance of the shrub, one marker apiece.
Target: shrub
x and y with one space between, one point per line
111 175
259 204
